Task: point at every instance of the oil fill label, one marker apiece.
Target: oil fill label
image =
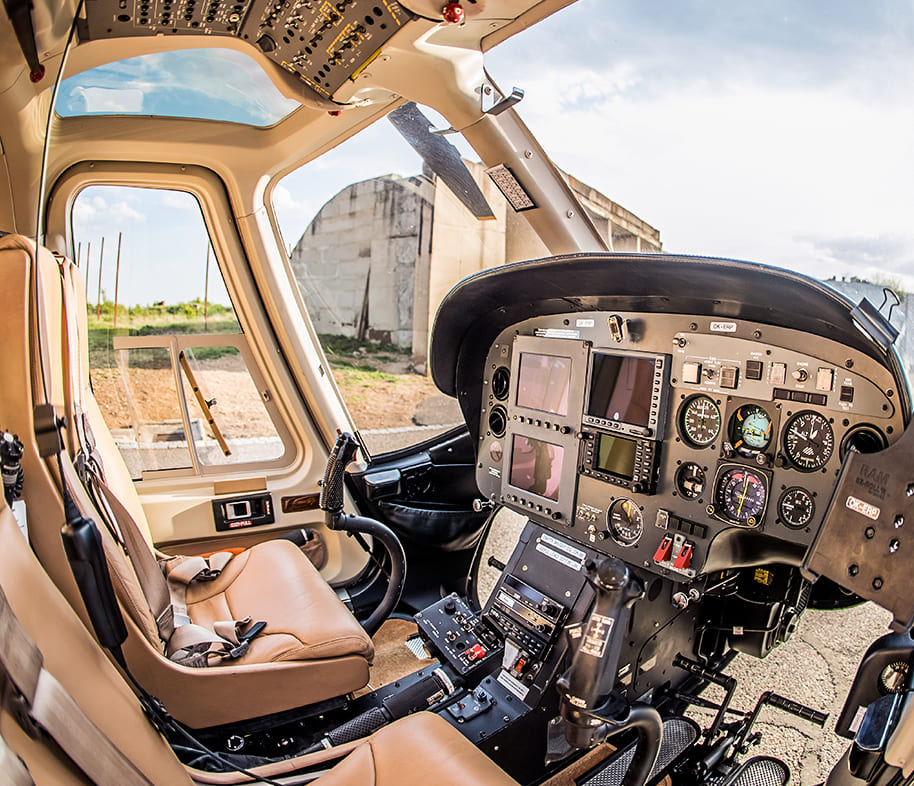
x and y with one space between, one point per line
597 635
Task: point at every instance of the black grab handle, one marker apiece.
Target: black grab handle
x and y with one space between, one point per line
341 456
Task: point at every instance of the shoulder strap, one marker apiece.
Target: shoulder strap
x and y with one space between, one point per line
46 705
147 570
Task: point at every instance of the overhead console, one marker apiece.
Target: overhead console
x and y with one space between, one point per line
666 431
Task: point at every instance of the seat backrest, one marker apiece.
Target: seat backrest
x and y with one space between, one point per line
81 667
45 337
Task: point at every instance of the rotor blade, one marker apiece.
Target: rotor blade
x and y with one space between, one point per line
442 157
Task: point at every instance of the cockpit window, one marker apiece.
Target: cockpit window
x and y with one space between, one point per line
206 84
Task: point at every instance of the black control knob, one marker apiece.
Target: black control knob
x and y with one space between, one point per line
556 516
450 606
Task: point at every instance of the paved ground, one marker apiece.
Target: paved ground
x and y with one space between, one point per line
815 667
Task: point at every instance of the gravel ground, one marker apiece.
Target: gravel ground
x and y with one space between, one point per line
815 668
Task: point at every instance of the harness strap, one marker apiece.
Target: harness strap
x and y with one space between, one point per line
182 571
163 582
196 647
148 573
43 703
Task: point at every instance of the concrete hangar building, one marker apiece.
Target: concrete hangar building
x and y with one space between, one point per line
380 256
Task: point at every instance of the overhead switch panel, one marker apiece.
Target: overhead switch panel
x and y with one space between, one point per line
323 43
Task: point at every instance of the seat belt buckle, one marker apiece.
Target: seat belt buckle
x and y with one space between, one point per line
244 639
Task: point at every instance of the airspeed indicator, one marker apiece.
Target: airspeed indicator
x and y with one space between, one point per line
699 420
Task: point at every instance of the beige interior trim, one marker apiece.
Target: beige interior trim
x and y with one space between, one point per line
240 486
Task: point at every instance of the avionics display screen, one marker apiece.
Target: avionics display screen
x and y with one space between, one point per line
543 382
621 387
536 466
616 455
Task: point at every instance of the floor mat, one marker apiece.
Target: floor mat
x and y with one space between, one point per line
392 659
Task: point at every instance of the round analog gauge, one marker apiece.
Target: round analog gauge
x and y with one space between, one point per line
699 420
750 429
893 677
690 480
809 441
741 495
625 522
796 507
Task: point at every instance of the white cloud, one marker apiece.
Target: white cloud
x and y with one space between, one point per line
94 213
737 147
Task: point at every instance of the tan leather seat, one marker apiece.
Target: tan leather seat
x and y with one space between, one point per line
416 750
269 582
312 648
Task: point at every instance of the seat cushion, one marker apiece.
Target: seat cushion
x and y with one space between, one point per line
275 582
416 751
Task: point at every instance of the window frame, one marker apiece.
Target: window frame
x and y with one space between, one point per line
208 190
175 343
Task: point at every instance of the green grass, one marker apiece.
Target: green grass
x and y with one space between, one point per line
347 353
348 345
180 319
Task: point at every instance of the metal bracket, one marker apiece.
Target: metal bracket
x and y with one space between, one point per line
506 103
47 430
868 319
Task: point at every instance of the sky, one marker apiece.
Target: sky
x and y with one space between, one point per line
779 132
776 131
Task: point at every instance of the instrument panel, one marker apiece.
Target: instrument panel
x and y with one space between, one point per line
680 443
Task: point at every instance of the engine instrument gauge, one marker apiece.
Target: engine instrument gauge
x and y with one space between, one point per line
796 507
740 495
750 429
699 420
625 522
690 480
809 441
